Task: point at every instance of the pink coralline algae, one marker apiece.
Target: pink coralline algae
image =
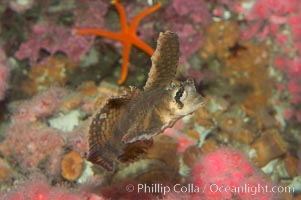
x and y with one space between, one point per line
280 22
291 66
78 139
28 140
29 144
267 17
90 14
39 106
60 39
228 168
195 11
188 20
34 142
269 9
221 6
53 39
270 18
4 73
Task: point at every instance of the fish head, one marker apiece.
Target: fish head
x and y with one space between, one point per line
184 98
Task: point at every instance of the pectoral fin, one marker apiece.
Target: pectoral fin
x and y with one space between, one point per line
103 146
131 137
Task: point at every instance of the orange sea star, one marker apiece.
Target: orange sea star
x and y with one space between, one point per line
127 35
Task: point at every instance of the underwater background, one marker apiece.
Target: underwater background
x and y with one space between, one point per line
60 60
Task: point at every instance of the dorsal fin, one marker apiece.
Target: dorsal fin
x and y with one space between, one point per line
164 61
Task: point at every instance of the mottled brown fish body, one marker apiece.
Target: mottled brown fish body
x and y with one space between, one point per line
123 127
104 142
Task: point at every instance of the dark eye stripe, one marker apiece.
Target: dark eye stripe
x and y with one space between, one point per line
179 94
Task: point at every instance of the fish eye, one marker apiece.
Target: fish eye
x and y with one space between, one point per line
179 94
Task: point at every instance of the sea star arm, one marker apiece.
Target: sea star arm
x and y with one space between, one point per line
99 32
142 45
142 14
126 55
125 61
122 15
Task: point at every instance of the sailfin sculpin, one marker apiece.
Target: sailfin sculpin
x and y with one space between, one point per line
122 128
